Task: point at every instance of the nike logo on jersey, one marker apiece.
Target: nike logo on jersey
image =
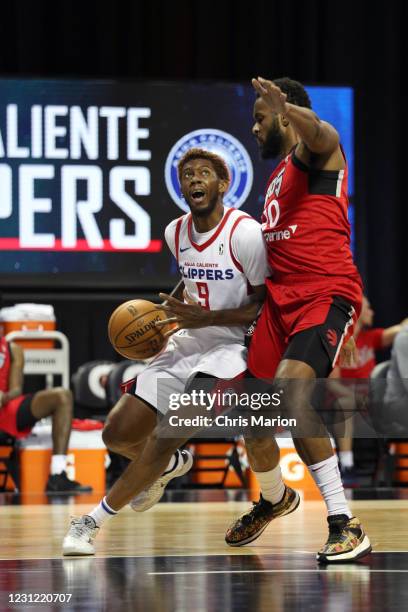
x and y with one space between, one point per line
285 234
185 249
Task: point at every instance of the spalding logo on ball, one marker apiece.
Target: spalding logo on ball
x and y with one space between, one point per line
132 329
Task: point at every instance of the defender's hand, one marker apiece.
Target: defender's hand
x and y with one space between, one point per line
270 94
348 353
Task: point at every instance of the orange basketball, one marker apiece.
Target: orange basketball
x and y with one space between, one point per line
132 329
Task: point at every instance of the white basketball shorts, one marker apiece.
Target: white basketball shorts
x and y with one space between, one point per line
186 354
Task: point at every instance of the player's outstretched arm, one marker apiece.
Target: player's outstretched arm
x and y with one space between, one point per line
318 136
390 332
191 315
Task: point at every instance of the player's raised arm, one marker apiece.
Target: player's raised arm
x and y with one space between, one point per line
319 136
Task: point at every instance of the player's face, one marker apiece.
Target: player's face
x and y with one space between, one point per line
201 186
267 131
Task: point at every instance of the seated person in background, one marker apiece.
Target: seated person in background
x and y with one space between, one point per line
19 413
396 393
368 340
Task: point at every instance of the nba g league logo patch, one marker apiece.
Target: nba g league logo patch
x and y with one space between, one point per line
226 146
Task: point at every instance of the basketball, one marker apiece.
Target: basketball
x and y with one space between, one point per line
132 330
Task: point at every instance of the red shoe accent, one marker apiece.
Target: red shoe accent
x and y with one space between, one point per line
86 424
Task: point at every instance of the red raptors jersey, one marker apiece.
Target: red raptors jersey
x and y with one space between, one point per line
305 223
4 365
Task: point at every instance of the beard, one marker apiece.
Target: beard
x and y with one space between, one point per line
204 212
273 145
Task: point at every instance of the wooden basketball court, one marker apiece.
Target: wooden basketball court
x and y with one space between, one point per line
174 558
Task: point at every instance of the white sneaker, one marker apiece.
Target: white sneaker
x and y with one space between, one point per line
80 537
148 498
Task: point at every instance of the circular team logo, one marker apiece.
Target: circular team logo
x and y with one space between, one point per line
226 146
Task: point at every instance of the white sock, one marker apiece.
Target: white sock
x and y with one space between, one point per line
326 475
173 463
346 458
102 512
58 464
272 485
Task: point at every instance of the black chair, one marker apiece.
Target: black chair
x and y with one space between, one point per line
386 463
392 456
9 464
120 373
89 387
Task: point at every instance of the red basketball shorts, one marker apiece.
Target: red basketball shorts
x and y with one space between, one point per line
307 320
9 421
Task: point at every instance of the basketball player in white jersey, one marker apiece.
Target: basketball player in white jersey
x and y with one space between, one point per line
221 257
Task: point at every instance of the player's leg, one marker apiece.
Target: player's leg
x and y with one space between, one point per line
128 425
276 498
263 454
341 403
56 403
182 460
137 414
131 440
128 428
343 430
310 354
160 458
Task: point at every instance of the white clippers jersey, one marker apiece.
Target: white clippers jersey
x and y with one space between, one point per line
219 267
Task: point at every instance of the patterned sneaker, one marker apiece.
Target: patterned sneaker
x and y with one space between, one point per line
80 537
347 540
251 524
148 498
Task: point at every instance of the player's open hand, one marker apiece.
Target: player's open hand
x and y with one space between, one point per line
270 94
348 353
183 315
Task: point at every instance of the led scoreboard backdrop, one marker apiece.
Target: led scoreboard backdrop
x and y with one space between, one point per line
88 176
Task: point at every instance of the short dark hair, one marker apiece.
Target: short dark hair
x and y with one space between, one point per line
296 93
219 164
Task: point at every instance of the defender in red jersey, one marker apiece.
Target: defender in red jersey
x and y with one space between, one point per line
19 413
313 297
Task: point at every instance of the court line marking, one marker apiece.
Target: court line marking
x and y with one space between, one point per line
186 554
255 552
281 571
